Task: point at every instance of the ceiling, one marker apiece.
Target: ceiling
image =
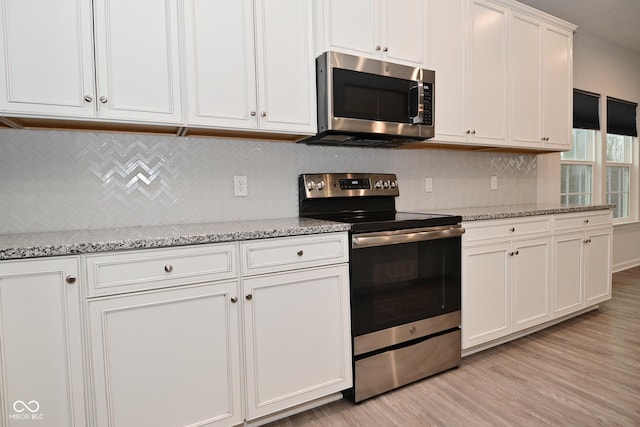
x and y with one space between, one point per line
615 21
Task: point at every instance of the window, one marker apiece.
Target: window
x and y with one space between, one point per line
577 166
577 169
621 131
602 167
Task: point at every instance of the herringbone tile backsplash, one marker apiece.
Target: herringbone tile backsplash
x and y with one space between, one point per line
54 180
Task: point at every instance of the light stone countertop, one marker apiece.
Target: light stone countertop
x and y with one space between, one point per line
32 245
516 211
57 243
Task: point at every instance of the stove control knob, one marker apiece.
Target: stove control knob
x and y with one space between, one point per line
386 184
394 184
311 185
378 184
320 185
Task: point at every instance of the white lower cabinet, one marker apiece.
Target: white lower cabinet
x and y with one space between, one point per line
41 354
169 357
520 274
583 251
190 342
297 337
506 288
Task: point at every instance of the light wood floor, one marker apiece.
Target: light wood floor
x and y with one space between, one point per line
582 372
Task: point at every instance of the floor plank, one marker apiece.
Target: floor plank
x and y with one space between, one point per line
582 372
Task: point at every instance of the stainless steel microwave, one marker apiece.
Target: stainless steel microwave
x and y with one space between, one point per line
369 102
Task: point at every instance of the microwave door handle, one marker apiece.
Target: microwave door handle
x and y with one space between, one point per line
414 104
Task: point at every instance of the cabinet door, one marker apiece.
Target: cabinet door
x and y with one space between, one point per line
41 355
568 273
166 358
297 332
220 63
525 55
531 282
286 66
138 60
402 23
598 266
446 22
485 293
488 73
46 57
352 26
558 87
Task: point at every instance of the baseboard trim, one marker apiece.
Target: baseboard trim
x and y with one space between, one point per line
625 265
295 410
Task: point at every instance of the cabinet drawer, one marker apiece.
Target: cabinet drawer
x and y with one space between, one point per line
583 219
505 229
158 268
287 253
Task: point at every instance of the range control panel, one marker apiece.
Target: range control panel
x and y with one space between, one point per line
348 185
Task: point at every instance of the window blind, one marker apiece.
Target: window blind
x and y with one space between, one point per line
586 110
621 117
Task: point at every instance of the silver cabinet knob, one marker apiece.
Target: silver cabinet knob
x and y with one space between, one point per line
168 268
385 49
512 229
468 132
234 300
88 98
263 114
586 221
300 252
249 297
473 132
71 279
253 113
104 99
378 47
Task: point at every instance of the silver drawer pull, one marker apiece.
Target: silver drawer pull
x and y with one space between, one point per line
71 279
512 229
234 300
300 252
168 268
586 221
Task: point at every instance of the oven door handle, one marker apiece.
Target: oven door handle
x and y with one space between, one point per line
367 240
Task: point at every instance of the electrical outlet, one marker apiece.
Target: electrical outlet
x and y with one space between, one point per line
240 186
428 185
494 182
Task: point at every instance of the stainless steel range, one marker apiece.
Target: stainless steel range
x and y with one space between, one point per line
405 279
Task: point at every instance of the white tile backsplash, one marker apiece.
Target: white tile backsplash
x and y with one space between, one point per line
55 180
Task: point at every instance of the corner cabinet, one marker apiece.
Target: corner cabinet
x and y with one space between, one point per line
523 274
41 343
250 65
63 70
391 30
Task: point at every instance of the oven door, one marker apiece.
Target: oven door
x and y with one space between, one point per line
405 279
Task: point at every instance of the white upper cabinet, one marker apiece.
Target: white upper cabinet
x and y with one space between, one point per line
50 71
392 30
238 84
558 87
503 74
541 83
488 68
138 60
468 50
46 57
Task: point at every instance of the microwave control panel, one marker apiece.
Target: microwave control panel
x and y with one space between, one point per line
427 117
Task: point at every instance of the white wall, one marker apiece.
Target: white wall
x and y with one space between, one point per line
608 70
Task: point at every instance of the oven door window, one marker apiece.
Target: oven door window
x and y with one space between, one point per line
396 284
358 95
